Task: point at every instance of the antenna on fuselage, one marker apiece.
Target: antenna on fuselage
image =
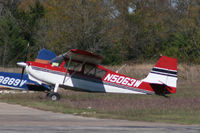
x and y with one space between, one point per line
120 68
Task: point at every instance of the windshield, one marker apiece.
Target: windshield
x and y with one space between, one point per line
57 60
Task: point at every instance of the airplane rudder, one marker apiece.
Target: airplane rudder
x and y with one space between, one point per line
164 72
168 63
45 56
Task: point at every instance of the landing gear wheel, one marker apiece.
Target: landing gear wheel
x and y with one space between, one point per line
54 96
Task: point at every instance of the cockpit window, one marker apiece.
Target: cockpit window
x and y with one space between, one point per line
92 70
57 60
73 65
89 70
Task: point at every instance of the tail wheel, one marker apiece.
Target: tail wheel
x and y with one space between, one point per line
54 96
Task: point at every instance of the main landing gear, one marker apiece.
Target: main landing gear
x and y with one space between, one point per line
54 96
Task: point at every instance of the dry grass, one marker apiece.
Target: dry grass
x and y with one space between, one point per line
182 107
138 71
186 73
11 69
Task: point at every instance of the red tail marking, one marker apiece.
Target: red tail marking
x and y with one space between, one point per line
167 63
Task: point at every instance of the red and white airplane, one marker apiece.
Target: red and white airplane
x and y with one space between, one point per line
79 69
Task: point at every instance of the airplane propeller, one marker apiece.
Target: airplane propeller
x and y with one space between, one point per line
23 64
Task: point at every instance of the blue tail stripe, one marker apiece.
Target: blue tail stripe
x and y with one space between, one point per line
45 54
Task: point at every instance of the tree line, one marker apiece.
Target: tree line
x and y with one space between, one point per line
119 30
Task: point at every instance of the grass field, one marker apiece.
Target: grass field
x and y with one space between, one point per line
182 107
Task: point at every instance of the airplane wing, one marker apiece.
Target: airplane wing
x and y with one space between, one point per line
13 81
84 56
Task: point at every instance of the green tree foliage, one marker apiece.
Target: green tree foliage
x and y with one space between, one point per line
160 28
11 40
184 42
17 29
75 24
28 21
120 30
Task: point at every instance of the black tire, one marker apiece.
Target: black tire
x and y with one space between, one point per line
54 96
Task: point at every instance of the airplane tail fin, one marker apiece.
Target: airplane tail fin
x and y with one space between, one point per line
45 56
164 73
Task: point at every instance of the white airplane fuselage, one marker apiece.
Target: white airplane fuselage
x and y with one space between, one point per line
52 77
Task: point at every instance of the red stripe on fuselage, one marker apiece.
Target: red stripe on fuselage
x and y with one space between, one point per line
47 66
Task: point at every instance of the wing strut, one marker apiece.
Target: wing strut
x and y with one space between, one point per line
67 68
